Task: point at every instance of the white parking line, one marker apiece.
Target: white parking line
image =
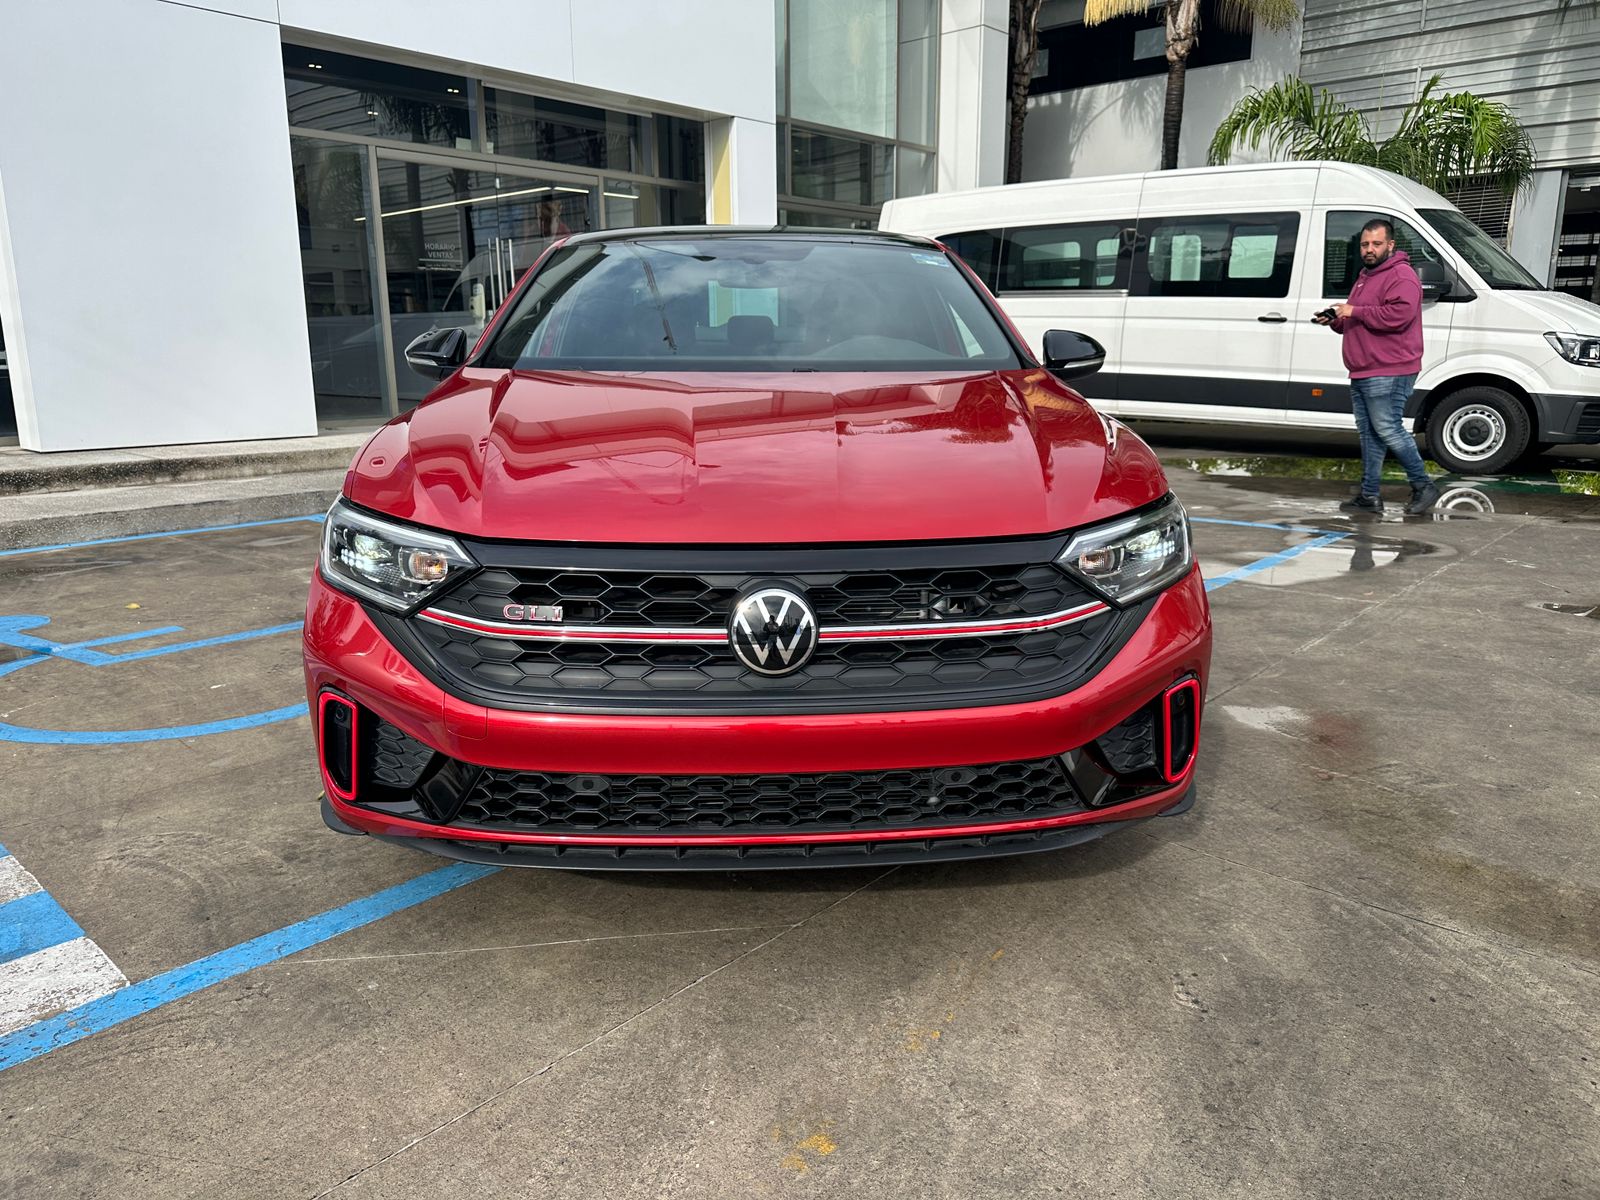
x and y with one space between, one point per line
47 965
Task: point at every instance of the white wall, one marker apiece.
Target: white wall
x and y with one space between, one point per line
151 285
1115 128
715 55
973 66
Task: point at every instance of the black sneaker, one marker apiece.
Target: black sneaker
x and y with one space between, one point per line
1366 504
1422 499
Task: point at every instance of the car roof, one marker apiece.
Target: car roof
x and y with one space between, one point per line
785 232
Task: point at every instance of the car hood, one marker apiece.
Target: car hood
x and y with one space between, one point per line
752 458
1556 311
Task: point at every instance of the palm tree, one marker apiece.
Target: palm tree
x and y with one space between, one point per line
1183 34
1441 140
1024 49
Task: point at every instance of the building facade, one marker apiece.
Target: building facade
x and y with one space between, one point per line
232 217
1096 102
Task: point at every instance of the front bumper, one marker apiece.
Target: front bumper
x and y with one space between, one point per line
1566 420
346 654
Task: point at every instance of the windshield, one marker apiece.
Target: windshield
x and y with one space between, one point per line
1482 252
743 303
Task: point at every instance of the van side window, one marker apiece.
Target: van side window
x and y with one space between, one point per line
1225 255
1065 257
1341 249
979 249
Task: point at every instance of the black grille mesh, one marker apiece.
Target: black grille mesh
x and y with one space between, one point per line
642 598
769 803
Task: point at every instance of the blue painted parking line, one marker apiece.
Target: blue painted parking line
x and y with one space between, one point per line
75 1024
33 922
143 537
13 632
47 963
1273 560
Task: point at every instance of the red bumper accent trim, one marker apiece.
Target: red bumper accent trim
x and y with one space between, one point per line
324 701
1167 770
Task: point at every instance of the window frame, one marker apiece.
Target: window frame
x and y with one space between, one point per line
1281 281
1330 290
1121 278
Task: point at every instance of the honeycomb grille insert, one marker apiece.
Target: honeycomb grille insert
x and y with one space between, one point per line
752 804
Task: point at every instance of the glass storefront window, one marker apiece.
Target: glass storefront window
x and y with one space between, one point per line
455 242
680 149
631 205
825 167
8 406
346 94
330 188
559 132
842 64
799 218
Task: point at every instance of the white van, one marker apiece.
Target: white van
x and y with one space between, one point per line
1201 286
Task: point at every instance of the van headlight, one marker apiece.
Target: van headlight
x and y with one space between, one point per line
1127 559
1580 348
393 565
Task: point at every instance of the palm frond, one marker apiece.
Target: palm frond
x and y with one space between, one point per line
1446 138
1097 12
1241 16
1294 121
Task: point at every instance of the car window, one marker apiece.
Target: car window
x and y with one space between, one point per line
1223 255
979 249
1341 248
1498 269
750 303
1065 257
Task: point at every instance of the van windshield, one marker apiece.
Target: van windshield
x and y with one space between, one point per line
1482 252
750 303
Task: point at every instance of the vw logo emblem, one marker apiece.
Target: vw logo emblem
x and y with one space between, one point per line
773 630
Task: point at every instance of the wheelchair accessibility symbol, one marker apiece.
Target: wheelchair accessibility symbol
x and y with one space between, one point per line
13 632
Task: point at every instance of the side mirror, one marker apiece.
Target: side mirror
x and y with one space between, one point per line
435 354
1069 355
1436 281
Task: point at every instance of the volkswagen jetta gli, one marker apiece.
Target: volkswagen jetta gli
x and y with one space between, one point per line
731 548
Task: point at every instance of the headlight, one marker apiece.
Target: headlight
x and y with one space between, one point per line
392 565
1130 558
1580 348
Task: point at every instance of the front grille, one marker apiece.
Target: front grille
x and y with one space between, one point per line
751 804
629 589
661 599
852 672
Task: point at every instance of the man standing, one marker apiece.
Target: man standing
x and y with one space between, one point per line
1381 325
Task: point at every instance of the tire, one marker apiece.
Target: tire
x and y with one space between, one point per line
1478 431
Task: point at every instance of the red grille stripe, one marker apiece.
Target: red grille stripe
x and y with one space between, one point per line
833 633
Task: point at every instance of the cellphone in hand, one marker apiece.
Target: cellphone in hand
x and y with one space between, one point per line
1328 314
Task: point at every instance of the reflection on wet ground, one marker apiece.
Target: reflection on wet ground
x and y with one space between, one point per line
1473 489
1592 611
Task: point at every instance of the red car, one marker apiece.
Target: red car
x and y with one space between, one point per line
729 548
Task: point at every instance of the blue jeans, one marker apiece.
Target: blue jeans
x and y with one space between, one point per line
1379 405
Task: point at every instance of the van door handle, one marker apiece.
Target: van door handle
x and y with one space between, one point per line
1272 319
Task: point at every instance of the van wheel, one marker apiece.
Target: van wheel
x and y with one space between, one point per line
1478 431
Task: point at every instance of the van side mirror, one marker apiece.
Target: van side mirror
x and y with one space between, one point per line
1435 279
1069 355
435 354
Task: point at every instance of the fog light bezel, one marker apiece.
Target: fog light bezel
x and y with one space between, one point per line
326 700
1169 772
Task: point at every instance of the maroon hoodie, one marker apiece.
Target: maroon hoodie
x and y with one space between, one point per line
1383 333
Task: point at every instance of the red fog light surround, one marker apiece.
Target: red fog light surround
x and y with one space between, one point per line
1180 725
336 728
